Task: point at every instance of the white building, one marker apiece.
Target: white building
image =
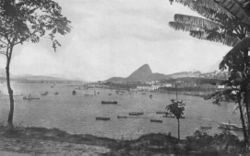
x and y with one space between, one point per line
221 86
168 85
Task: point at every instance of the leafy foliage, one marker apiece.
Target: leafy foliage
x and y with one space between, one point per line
233 27
238 66
225 142
221 23
28 20
234 59
176 108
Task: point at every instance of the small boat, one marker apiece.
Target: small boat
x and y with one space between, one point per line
205 128
169 116
150 96
135 113
172 116
109 102
229 126
103 118
161 112
121 117
29 97
45 93
156 120
56 93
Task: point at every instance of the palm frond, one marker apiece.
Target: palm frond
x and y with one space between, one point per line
242 45
183 26
211 14
197 21
234 9
237 8
215 37
210 4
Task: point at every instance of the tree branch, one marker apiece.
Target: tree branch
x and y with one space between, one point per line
34 32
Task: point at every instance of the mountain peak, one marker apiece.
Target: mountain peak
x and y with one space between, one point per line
141 73
146 68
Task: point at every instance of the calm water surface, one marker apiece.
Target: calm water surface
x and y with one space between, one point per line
76 114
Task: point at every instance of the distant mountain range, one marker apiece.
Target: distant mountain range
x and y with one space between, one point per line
28 77
144 74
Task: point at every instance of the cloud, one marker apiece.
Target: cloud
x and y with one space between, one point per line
114 37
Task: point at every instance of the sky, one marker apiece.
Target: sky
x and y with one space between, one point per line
114 38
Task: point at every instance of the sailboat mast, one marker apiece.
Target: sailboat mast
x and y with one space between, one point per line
176 93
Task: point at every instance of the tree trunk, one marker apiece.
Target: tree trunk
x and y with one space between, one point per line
178 120
244 128
245 87
10 91
247 96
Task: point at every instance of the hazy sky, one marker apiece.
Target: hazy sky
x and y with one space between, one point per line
113 38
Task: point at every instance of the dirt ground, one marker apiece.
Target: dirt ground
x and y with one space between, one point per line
49 142
34 147
38 141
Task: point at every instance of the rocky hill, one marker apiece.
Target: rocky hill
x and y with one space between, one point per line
144 74
141 74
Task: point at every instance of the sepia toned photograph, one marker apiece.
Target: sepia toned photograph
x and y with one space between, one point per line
124 78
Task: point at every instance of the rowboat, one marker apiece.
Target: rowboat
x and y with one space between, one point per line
169 116
45 93
135 113
229 126
103 118
109 102
205 128
161 112
29 97
121 117
156 120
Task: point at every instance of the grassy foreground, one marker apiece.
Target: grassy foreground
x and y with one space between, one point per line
42 141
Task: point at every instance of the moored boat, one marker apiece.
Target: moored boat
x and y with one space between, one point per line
103 118
29 97
205 128
229 126
109 102
172 116
121 117
135 113
161 112
156 120
169 116
44 93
